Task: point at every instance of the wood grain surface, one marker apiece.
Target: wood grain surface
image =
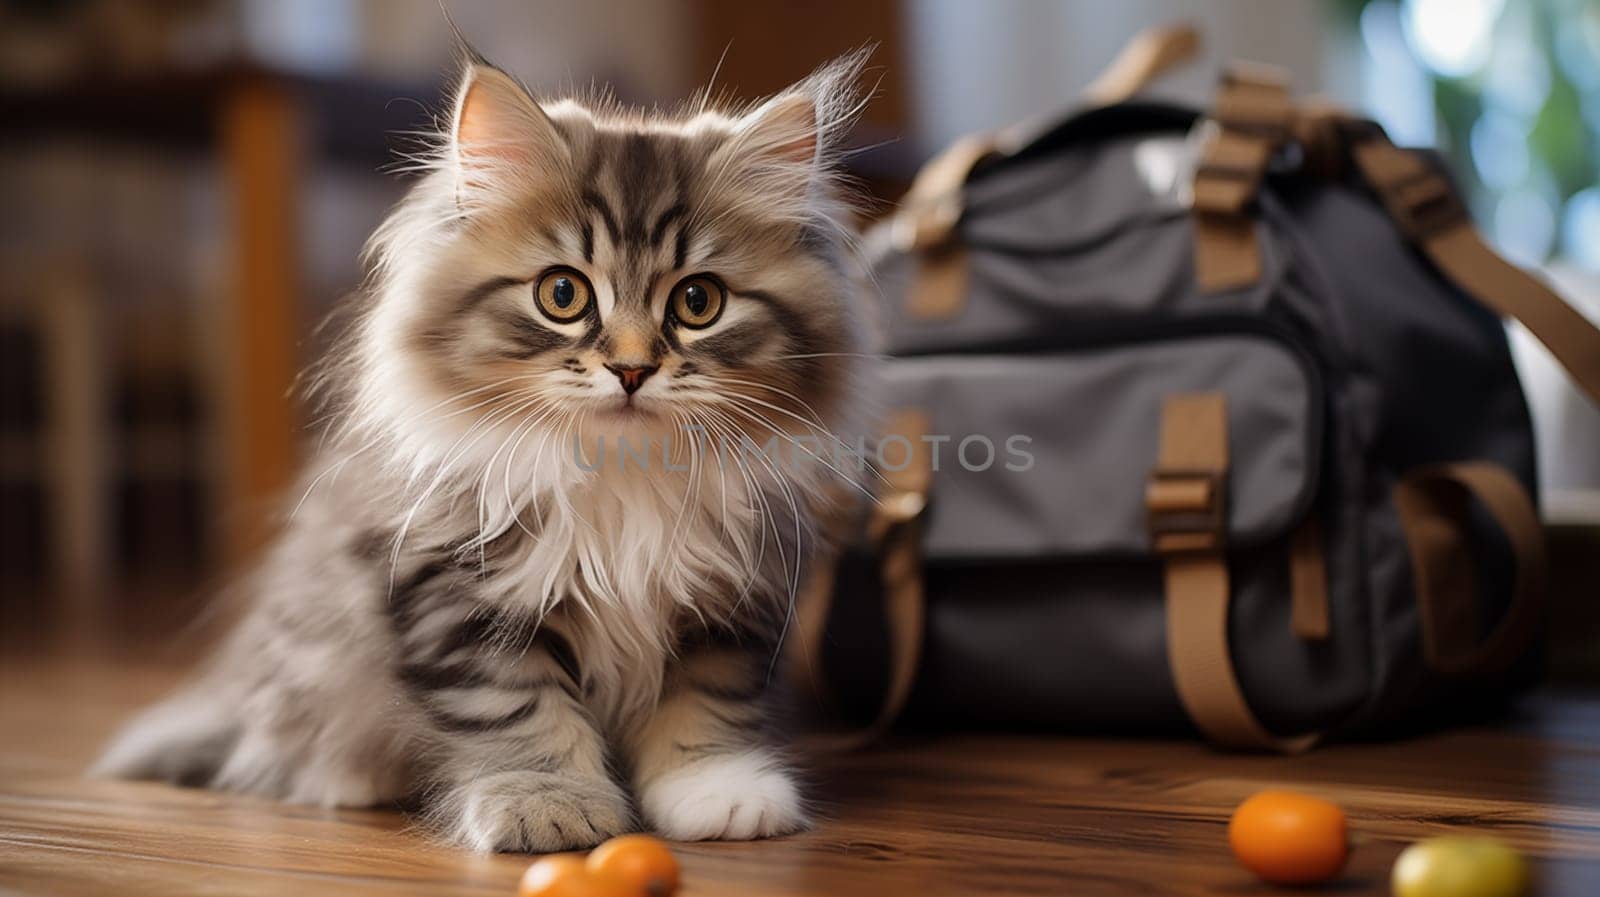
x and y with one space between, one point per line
961 815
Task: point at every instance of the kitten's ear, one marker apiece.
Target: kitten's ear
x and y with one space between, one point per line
498 126
783 130
790 139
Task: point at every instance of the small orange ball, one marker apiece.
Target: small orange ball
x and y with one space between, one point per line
564 875
643 863
1289 839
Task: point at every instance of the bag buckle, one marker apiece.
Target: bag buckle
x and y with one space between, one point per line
932 208
1423 205
893 511
1254 99
926 224
1185 510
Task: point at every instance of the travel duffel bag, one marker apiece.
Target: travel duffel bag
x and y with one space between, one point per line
1197 421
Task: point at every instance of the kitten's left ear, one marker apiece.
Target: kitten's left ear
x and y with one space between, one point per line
498 126
794 136
783 130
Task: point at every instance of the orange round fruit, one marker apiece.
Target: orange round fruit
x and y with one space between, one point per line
1289 839
565 875
643 863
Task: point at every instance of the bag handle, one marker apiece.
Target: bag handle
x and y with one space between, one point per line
1429 213
1253 116
1151 53
1434 504
932 205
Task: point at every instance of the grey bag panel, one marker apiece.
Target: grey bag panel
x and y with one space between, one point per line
1396 626
1079 199
1142 272
1448 387
1084 648
1092 418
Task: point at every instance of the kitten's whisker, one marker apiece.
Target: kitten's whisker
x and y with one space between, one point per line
377 439
800 542
485 424
782 483
495 414
789 438
722 496
799 546
511 506
691 490
755 500
869 355
819 425
574 426
705 96
310 487
784 393
484 536
723 534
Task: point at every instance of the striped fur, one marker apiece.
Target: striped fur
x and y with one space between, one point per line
543 652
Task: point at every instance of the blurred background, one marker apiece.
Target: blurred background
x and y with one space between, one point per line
185 186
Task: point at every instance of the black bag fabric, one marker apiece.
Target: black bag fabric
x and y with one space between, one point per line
1369 552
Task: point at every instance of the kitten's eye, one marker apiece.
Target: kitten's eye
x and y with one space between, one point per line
697 301
563 295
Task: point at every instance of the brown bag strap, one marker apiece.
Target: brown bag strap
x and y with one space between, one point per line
895 531
1434 504
1150 54
1186 501
1428 211
926 224
1308 582
1250 119
803 649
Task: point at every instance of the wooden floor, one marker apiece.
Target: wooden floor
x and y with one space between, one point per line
956 816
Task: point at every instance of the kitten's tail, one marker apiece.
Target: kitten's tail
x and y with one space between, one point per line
183 740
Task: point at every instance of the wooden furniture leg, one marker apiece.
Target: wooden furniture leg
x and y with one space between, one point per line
261 139
77 437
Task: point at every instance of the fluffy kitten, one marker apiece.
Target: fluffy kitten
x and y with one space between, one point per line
486 601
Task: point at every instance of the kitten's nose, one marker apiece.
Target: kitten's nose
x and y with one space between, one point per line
632 375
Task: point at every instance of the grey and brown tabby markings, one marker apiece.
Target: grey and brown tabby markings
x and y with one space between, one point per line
539 651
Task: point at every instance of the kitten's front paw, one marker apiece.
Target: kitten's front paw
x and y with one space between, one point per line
733 797
537 812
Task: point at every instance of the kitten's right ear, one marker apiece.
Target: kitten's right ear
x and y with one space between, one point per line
498 126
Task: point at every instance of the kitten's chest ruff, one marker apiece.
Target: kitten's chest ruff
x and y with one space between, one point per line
624 567
635 550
